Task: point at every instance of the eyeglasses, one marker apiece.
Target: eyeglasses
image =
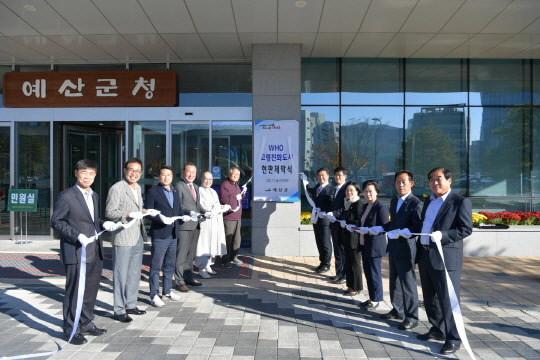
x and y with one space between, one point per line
134 171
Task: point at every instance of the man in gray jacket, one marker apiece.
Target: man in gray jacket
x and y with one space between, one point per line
124 203
188 235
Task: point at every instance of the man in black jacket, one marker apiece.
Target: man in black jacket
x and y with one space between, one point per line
322 196
340 176
405 211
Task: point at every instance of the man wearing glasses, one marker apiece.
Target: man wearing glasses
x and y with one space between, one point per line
124 203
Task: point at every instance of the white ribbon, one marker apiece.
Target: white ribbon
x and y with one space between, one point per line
454 302
314 209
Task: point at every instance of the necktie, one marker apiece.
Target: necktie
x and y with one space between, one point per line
398 205
319 190
192 191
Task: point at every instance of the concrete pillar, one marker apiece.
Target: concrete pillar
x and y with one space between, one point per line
276 96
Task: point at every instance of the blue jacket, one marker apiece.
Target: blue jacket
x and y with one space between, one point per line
156 199
374 246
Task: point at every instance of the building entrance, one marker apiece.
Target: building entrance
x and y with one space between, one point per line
5 136
100 142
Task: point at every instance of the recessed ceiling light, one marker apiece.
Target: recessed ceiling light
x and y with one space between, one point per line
30 8
300 4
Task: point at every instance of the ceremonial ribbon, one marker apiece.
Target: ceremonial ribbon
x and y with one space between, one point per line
244 189
314 209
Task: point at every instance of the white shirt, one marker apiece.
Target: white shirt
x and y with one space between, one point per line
320 188
87 195
400 201
431 213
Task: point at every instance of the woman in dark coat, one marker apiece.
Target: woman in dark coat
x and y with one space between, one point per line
373 245
351 240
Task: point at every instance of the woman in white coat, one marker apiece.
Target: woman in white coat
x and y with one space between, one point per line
212 236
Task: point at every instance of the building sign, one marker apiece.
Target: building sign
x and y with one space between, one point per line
276 160
216 172
90 88
22 200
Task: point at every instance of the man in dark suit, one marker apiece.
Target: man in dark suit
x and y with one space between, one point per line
405 211
322 196
164 198
76 219
340 175
189 231
448 217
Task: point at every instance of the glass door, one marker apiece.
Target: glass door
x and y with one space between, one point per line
5 143
104 146
190 143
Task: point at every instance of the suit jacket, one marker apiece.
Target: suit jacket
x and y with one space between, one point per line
454 221
189 204
374 246
408 217
323 201
156 199
120 201
339 200
352 216
71 218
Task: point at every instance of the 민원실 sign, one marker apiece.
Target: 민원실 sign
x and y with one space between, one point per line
90 88
275 160
22 200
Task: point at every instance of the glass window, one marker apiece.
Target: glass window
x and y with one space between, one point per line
500 204
371 143
211 85
232 147
371 82
4 178
189 143
320 81
436 82
535 138
499 82
436 136
536 82
148 143
319 139
500 152
32 171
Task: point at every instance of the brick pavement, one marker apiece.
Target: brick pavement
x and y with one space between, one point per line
283 312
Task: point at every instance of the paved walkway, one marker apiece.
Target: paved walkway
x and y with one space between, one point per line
284 311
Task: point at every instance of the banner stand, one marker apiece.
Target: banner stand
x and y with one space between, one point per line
22 200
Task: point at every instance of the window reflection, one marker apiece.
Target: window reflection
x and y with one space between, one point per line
319 139
499 82
535 136
320 81
189 143
371 142
435 136
371 82
499 152
436 82
32 171
148 141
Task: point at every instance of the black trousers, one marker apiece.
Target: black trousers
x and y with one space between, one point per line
324 244
186 250
353 268
93 276
339 252
403 292
436 298
233 239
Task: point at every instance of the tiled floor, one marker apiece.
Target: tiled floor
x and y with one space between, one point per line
284 311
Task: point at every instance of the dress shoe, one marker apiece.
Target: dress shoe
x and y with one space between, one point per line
318 268
194 283
391 315
135 311
323 269
372 305
78 339
182 288
226 265
430 336
333 278
364 303
124 318
448 348
407 325
339 281
94 331
349 292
